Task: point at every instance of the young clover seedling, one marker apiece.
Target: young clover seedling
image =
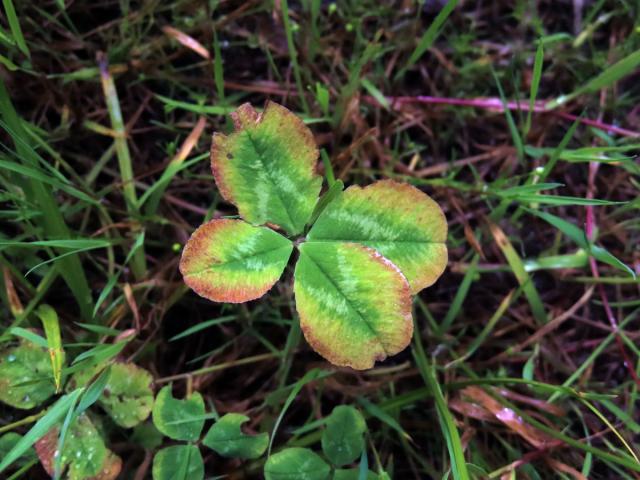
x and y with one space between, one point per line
366 253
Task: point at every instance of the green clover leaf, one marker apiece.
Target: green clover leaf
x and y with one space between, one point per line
179 419
178 462
226 438
26 376
369 249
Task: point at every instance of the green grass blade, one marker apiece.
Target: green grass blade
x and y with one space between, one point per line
447 423
42 426
611 75
51 219
293 55
517 266
429 36
49 319
515 134
14 25
535 84
139 262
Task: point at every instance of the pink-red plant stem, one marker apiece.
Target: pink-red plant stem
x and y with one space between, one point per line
492 103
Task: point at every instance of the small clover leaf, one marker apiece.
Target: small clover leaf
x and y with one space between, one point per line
179 419
343 439
127 396
179 462
296 463
226 438
368 250
26 376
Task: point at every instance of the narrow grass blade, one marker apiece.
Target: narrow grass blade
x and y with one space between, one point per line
535 84
308 377
579 237
515 262
611 75
429 36
139 262
293 54
51 325
515 134
486 331
153 195
461 294
447 423
42 426
29 335
41 194
14 25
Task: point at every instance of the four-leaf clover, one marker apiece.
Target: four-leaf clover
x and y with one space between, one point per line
368 250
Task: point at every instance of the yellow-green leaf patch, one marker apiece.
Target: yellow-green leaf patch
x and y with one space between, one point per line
398 220
354 304
266 167
233 261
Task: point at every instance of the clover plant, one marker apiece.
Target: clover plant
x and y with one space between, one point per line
362 252
183 420
34 369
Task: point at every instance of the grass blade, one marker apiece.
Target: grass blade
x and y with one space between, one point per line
14 25
515 262
535 83
611 75
429 36
139 263
42 426
51 325
447 424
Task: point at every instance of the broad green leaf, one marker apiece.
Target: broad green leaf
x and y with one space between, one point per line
396 219
296 464
232 261
267 167
343 439
26 378
84 453
8 441
127 396
226 438
353 474
179 419
180 462
51 325
354 304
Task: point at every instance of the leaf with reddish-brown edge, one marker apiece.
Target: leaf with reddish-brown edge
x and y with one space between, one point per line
232 261
398 220
354 304
267 167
